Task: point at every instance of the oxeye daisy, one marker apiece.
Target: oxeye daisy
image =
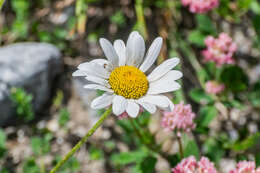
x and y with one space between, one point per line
123 76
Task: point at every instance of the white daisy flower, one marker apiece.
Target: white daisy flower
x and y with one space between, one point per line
123 76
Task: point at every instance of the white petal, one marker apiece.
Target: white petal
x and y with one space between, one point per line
109 51
158 100
148 106
102 101
135 49
100 61
170 106
98 87
120 48
132 109
94 69
98 80
152 54
166 83
104 63
162 69
119 105
79 73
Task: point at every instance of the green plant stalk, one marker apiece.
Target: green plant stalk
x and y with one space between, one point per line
180 146
140 18
81 14
83 140
200 72
1 3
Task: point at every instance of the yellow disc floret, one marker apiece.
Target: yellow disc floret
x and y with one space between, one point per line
129 82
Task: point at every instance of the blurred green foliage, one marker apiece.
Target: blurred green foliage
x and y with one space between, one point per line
20 25
119 19
96 153
23 104
2 143
30 166
72 165
41 145
64 117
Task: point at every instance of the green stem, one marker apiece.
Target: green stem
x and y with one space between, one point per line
42 168
81 15
136 130
140 18
83 140
1 3
187 51
180 146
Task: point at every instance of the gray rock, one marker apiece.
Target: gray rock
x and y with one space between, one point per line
86 96
31 66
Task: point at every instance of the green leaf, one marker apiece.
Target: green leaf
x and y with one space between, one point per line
144 118
30 166
254 95
234 78
205 24
118 18
199 96
2 138
41 145
148 164
256 23
95 153
213 149
190 147
244 4
23 103
4 170
128 157
2 143
64 117
257 159
247 143
173 160
207 114
255 7
197 38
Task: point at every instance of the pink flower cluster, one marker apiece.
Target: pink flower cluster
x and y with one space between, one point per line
213 87
180 118
219 50
190 165
246 167
200 6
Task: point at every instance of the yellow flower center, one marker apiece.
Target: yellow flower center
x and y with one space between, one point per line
129 82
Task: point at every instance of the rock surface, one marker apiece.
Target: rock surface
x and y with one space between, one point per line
86 96
31 66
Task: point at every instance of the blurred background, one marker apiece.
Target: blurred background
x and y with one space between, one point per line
44 111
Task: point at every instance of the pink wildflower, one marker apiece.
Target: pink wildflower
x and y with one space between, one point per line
180 118
200 6
124 115
219 50
245 167
190 165
213 87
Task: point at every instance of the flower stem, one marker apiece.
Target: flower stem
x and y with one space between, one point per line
180 146
82 141
140 18
1 3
